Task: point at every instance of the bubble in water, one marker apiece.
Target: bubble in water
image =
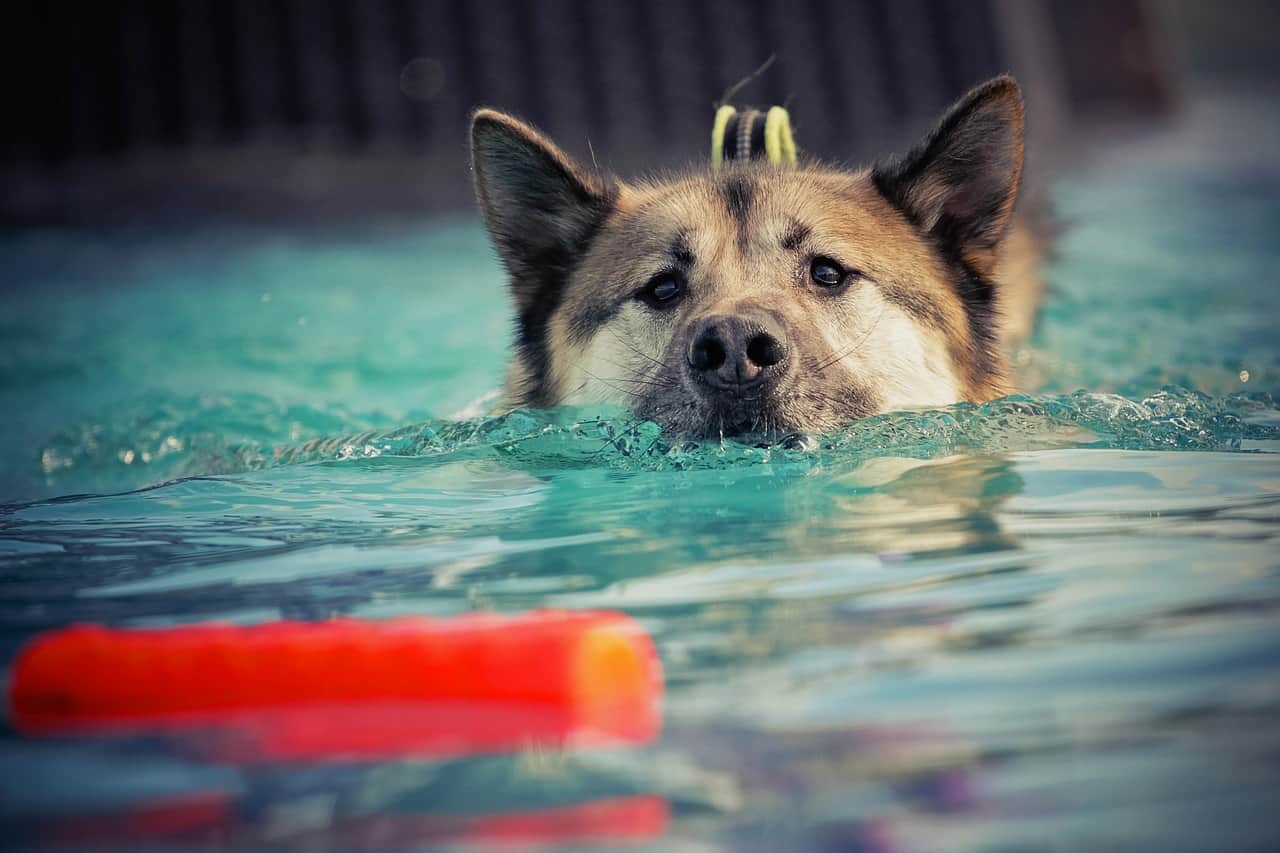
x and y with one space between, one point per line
51 460
422 78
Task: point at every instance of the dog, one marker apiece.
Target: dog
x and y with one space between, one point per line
759 300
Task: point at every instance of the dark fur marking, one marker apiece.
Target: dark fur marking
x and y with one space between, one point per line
796 234
586 322
915 303
681 252
590 317
968 167
977 294
972 154
739 196
550 272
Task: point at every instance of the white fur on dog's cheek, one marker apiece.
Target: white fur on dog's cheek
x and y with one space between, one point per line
613 368
913 363
905 364
598 374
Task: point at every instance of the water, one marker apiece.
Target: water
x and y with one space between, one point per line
1044 623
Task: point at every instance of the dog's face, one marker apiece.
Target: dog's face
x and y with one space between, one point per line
757 298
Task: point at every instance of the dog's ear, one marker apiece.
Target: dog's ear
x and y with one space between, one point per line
541 209
960 183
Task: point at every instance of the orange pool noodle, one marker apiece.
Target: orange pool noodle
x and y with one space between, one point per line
408 685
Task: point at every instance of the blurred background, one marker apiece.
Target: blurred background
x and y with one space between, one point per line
302 110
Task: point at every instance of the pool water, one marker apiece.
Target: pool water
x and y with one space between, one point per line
1049 622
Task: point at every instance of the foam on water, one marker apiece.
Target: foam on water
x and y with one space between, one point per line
165 445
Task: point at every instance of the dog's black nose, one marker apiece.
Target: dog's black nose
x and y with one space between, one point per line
737 352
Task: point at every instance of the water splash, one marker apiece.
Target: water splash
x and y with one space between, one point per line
159 436
169 446
1172 419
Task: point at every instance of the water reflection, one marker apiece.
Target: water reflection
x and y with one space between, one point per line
216 821
859 654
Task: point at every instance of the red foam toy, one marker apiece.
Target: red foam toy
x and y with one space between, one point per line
412 685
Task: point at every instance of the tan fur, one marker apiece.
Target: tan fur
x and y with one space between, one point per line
1019 284
898 336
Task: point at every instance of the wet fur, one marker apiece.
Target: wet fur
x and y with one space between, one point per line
927 321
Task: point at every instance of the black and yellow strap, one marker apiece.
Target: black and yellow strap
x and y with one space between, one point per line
752 134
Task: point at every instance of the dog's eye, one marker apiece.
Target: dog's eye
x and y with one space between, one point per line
662 290
826 272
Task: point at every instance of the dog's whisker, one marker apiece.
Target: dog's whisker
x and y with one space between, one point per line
635 349
642 380
608 383
856 346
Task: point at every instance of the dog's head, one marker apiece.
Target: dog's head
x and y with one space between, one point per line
757 298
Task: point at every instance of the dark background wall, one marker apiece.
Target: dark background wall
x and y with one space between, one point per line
321 108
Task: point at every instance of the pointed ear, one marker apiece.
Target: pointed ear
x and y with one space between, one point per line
961 182
541 209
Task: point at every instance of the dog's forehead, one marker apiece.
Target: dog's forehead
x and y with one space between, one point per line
756 208
747 223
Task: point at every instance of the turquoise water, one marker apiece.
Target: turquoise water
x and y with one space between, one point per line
1049 622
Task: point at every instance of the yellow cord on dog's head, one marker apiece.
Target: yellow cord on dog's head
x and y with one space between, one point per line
751 134
717 134
778 142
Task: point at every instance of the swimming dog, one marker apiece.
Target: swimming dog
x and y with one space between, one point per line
759 299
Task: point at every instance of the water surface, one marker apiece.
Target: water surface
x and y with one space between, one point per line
1047 622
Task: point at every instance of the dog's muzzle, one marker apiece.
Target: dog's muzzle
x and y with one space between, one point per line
735 356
